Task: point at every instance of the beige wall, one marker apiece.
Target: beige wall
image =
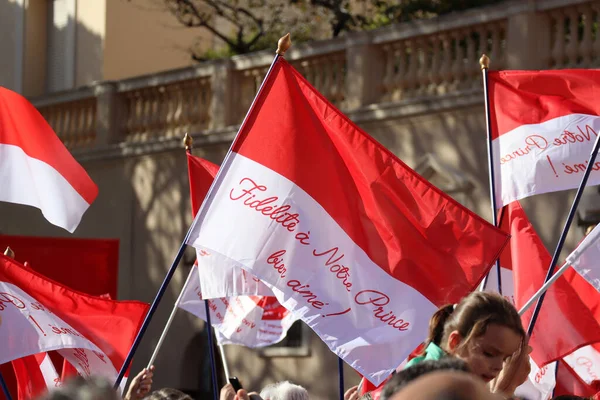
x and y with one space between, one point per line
89 41
11 18
142 37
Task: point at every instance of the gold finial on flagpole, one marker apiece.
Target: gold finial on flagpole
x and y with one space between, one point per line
188 142
9 253
484 62
284 44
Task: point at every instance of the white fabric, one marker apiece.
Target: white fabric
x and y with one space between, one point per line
27 328
531 160
236 320
346 320
28 181
585 259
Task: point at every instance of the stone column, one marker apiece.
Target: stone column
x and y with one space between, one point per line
528 40
221 104
365 69
107 117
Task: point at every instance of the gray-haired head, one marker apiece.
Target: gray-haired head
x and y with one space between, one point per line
284 391
78 388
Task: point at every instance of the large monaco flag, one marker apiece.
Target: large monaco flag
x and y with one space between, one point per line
36 169
38 315
544 124
350 239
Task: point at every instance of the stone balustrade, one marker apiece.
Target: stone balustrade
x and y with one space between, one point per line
399 64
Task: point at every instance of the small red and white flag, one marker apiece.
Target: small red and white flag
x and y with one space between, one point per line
38 315
36 169
35 375
348 237
544 124
243 320
217 279
250 321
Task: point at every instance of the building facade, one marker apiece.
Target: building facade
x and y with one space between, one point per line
415 87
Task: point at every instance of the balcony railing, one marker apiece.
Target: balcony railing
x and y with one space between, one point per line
395 65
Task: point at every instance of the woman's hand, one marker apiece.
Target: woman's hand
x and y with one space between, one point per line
514 373
140 385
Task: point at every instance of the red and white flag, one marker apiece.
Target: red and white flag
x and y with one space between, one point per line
36 169
38 315
217 280
544 124
243 320
350 239
35 375
251 321
568 319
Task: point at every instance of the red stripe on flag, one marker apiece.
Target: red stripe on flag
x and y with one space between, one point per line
408 227
23 126
531 97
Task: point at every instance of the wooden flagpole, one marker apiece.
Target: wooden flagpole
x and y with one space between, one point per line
10 254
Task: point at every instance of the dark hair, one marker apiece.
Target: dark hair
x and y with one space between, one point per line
400 379
570 397
167 394
472 316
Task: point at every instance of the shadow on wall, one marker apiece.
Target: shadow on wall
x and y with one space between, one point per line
47 49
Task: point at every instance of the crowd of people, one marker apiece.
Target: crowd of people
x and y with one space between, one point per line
476 349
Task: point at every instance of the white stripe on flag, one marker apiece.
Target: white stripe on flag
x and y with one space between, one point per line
372 328
585 259
546 157
28 181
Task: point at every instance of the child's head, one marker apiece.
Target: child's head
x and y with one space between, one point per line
483 330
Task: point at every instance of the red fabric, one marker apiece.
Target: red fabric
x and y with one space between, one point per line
201 174
8 374
30 380
409 228
86 265
569 383
23 126
531 97
110 325
567 319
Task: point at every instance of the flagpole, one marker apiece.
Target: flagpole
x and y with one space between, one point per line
188 142
484 62
341 375
283 45
169 322
151 311
5 388
224 360
10 254
549 276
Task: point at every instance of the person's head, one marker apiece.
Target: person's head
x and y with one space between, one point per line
78 388
404 377
483 330
446 385
167 394
284 391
